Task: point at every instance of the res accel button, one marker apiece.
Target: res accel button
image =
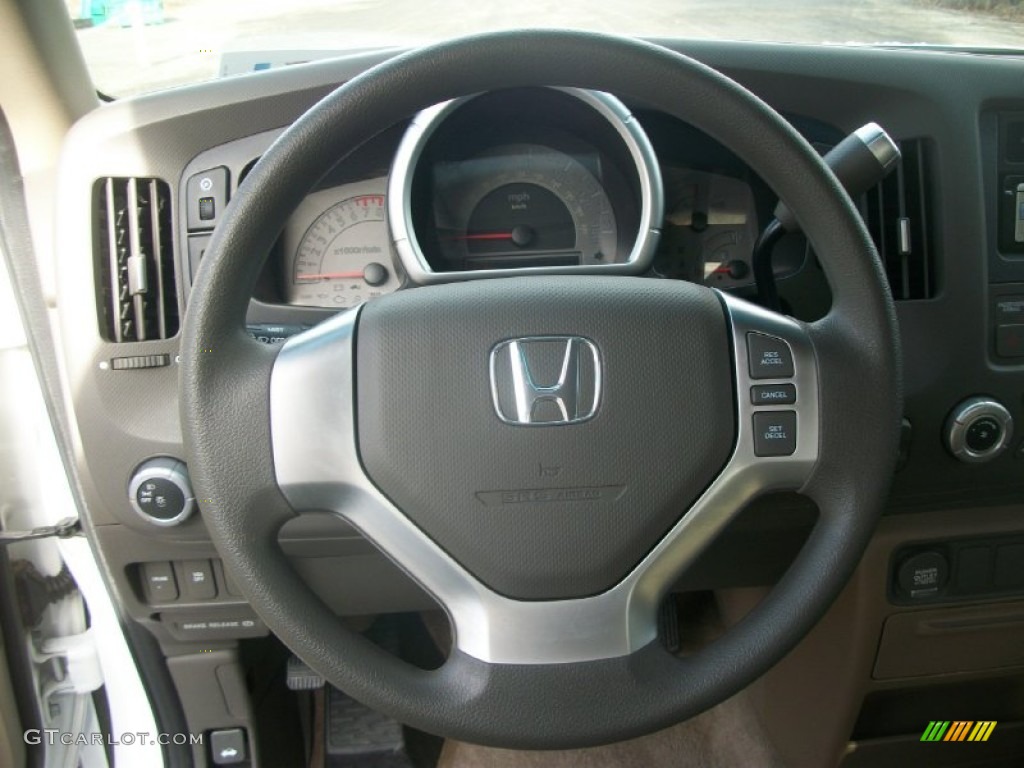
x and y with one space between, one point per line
774 433
770 358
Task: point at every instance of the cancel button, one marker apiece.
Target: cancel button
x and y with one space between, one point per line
773 394
774 433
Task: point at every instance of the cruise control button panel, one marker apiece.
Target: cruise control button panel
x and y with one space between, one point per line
769 357
774 433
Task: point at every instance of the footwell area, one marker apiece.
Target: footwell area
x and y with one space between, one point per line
337 731
728 736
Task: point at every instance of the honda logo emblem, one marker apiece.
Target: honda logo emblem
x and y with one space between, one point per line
545 380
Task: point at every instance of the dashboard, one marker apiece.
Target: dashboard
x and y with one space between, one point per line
541 180
481 197
469 189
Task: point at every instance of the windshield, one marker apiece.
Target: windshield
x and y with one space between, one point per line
135 46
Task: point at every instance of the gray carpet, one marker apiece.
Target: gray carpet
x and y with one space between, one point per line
728 736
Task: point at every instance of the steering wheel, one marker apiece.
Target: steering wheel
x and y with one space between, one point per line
390 417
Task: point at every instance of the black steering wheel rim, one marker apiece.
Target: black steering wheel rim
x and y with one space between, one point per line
225 379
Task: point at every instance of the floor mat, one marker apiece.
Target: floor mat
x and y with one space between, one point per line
727 736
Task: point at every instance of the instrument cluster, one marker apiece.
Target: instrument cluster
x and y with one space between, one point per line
524 181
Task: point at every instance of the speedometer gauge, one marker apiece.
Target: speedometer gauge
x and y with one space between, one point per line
522 205
525 181
343 256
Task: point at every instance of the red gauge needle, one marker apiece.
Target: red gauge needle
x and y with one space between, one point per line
521 235
334 276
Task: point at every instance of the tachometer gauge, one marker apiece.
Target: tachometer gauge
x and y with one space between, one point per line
343 256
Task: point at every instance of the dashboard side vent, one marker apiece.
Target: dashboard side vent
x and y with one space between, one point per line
135 260
897 215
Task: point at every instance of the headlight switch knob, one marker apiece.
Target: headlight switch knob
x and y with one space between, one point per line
160 491
978 430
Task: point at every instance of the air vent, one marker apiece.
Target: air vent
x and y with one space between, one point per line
897 215
135 260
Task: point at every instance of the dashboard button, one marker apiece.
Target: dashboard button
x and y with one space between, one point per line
978 430
1010 340
770 358
160 498
774 433
199 584
207 209
923 574
159 490
983 434
207 194
227 746
158 579
230 626
773 394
